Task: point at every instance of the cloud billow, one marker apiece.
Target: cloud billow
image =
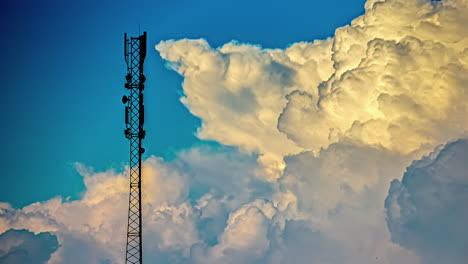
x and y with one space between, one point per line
427 210
317 132
394 78
22 246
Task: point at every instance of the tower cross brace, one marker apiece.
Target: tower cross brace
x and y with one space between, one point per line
135 53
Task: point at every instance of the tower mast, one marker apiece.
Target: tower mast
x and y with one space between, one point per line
135 53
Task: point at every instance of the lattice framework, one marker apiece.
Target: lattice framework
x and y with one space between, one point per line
135 52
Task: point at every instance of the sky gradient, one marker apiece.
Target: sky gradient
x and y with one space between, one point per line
63 75
278 133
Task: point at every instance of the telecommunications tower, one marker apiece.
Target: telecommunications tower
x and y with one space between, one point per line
135 52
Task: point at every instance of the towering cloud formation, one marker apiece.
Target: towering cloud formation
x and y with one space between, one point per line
395 77
319 131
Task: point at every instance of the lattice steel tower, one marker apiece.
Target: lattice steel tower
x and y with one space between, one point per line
135 52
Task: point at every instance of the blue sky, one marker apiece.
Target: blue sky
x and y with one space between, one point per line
63 73
347 150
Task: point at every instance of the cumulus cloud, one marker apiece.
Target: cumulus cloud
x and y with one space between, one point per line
176 217
317 132
95 223
427 210
339 194
399 80
214 209
238 90
22 246
395 77
333 121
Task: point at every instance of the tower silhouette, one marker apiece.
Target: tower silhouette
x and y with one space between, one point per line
135 53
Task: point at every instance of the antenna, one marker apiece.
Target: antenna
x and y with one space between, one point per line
135 53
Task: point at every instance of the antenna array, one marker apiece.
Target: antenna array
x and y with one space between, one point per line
135 53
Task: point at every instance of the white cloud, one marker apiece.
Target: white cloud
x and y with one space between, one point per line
348 113
245 238
226 214
239 91
96 223
395 77
173 212
339 196
327 125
